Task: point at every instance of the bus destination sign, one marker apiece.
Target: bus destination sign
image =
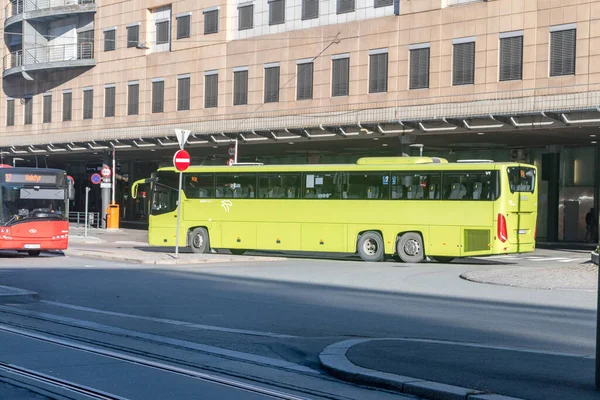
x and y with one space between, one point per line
29 178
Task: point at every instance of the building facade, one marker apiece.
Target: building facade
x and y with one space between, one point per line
501 79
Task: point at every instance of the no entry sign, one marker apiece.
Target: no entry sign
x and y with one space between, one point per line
181 160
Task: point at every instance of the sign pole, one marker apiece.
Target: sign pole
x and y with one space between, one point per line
178 216
113 178
181 161
87 191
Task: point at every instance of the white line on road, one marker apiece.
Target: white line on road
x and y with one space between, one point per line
170 321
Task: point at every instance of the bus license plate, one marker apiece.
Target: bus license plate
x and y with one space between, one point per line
522 231
32 246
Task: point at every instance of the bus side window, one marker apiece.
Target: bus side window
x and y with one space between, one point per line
198 186
279 185
235 186
371 185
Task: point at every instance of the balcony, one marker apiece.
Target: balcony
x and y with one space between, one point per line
459 2
17 10
49 57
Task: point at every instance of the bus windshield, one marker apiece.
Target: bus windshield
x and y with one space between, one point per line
521 179
20 202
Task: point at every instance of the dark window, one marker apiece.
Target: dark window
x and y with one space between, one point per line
211 22
67 106
184 28
133 35
511 58
383 3
471 185
310 9
344 6
110 39
419 68
521 179
10 113
415 186
162 32
165 193
47 117
183 94
88 104
85 45
158 96
323 185
562 52
279 186
28 110
246 17
231 186
272 85
211 91
463 64
276 12
378 73
340 77
365 185
240 88
199 186
305 81
133 99
109 101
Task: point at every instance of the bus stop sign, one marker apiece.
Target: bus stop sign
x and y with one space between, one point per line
181 160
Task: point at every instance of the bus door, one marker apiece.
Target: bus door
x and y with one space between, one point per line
516 222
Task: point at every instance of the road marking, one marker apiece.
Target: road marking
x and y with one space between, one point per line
170 321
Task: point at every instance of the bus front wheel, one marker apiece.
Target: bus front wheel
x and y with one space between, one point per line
199 241
410 248
370 246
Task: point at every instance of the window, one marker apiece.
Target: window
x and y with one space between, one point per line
470 185
183 92
88 103
246 17
415 186
133 98
110 39
211 21
47 108
133 35
322 185
85 44
199 186
162 32
344 6
521 179
365 185
310 9
383 3
511 57
272 84
109 101
305 81
279 186
340 75
10 112
562 51
276 12
230 186
184 28
419 68
158 96
67 105
211 90
165 193
28 110
463 63
240 87
378 71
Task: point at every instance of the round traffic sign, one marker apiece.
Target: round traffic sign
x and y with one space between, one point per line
181 160
105 171
231 151
70 178
96 179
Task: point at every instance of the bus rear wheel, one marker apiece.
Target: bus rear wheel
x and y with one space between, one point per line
370 246
199 242
410 248
444 260
34 253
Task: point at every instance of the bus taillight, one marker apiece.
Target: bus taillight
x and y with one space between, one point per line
502 230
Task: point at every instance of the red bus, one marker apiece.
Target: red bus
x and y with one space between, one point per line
35 209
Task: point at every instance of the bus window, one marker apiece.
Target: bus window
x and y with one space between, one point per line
164 196
366 185
279 186
235 186
522 179
475 185
323 185
415 186
198 186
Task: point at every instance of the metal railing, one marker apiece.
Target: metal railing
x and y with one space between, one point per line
16 7
78 217
48 54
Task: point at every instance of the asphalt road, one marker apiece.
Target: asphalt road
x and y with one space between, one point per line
275 317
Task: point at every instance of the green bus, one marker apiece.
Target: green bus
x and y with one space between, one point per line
409 208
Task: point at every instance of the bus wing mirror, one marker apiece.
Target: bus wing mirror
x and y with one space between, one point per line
71 191
134 187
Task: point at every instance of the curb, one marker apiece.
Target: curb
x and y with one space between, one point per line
595 257
333 359
464 276
10 294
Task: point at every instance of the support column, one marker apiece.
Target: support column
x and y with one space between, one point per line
131 177
551 173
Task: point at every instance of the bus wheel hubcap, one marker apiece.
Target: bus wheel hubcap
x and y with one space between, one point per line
412 247
198 241
370 246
